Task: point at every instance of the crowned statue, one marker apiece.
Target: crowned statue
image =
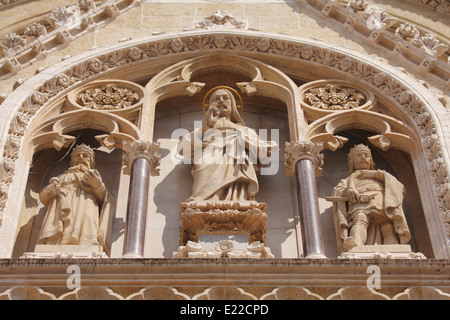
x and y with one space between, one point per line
368 204
79 206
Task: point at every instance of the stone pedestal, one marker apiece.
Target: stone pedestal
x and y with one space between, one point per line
393 251
227 218
43 251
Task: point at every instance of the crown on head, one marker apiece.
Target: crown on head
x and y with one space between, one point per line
360 147
355 149
83 148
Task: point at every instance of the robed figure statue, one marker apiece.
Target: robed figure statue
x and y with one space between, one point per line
79 207
226 155
368 204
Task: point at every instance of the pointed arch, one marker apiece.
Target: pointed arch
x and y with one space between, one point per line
408 100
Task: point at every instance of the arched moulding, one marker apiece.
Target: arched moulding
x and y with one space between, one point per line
403 95
116 129
324 97
264 79
388 132
124 98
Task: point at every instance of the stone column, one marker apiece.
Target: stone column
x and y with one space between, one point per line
141 160
303 159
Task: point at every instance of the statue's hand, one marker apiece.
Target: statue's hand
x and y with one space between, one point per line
352 195
92 179
54 187
212 115
370 174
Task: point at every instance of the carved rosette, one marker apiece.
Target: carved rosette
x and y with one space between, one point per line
323 97
117 96
139 149
223 217
299 150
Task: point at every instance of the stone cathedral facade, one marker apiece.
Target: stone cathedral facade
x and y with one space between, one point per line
213 149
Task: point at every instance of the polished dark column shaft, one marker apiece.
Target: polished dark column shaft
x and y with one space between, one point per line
309 206
137 208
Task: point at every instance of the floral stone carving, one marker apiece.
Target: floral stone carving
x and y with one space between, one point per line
320 98
223 249
223 218
107 95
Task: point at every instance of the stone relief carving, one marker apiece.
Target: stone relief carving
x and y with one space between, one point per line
334 97
141 149
79 207
11 43
220 20
229 175
409 102
35 40
108 97
368 204
323 97
224 292
223 249
222 217
375 24
430 44
407 32
226 157
298 150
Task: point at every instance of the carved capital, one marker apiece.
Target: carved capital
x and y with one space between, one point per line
299 150
141 149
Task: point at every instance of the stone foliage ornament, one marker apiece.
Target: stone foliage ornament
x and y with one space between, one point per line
223 249
334 97
108 97
118 96
220 20
323 97
222 218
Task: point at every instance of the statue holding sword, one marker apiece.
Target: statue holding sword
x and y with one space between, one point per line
367 204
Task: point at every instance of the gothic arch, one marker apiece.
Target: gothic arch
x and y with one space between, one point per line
407 99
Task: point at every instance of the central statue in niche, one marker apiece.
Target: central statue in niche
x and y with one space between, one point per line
226 158
228 155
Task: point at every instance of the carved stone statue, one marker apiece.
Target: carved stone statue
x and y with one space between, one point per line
231 154
78 204
227 157
368 204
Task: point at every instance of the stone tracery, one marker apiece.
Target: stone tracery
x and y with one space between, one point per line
405 97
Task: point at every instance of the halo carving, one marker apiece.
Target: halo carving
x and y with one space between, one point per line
205 105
